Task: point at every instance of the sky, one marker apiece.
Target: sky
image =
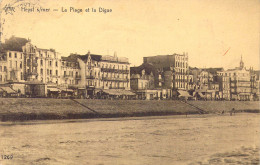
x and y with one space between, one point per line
213 33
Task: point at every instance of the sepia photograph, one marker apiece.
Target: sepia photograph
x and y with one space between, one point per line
129 82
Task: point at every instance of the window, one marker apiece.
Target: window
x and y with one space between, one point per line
5 68
50 63
15 55
10 55
41 71
56 72
21 75
0 68
41 62
21 65
64 73
51 72
47 71
56 63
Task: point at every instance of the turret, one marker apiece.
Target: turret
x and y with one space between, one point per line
241 63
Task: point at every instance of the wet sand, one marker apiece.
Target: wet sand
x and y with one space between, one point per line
197 139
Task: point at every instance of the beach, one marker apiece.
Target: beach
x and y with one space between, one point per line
196 139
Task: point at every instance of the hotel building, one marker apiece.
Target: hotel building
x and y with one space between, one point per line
176 64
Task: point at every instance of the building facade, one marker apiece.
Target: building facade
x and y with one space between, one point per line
237 83
175 68
3 68
21 61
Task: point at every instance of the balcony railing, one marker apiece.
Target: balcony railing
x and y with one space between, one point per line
115 79
89 77
78 77
114 70
116 87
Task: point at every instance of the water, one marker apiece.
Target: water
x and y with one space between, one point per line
152 140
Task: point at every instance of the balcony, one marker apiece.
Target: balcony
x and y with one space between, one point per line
114 70
116 87
90 77
114 79
78 77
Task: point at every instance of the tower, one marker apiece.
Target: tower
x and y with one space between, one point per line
241 63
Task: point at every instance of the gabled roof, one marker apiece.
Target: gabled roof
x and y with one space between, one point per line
147 66
93 57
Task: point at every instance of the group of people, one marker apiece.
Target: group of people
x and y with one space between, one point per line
231 112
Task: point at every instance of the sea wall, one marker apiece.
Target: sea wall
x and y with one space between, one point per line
20 109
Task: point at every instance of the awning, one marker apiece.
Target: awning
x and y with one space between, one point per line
118 92
201 95
111 92
184 94
8 90
129 93
53 89
65 90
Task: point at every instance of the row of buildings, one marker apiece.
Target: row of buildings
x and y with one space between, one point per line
36 72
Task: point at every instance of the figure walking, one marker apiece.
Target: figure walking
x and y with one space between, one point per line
232 111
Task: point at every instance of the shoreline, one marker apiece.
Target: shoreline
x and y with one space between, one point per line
20 117
191 116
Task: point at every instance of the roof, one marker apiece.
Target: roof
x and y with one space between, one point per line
93 57
213 70
70 58
74 57
147 66
14 44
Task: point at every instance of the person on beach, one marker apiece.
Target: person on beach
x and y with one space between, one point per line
232 111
